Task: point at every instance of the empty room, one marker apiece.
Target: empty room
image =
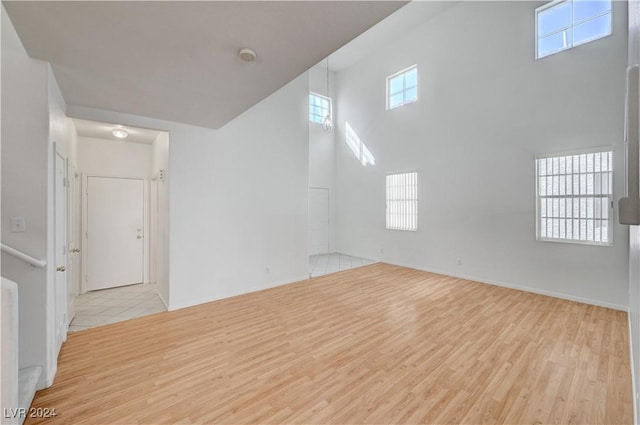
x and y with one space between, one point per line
320 212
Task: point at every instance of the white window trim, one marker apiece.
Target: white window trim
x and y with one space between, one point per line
611 212
573 25
330 106
390 77
417 200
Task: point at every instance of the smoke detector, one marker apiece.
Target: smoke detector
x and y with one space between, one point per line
247 55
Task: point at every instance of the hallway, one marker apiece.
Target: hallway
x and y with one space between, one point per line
98 308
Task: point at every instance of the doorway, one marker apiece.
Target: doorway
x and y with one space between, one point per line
123 210
115 221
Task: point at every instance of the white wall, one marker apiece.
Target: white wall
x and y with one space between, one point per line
160 217
322 146
32 119
634 231
62 140
62 131
114 158
485 108
24 186
238 197
242 202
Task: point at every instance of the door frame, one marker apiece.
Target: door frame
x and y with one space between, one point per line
73 236
153 230
145 218
60 335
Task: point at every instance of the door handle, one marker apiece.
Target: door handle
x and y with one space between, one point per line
61 269
139 237
75 250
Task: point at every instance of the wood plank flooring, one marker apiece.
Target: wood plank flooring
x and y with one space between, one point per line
379 344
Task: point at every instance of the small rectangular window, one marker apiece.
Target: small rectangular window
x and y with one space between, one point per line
402 87
575 197
402 201
319 107
561 25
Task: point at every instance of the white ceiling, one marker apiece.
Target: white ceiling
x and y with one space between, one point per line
100 130
177 60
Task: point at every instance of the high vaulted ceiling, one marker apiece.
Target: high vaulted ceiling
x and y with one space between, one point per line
178 60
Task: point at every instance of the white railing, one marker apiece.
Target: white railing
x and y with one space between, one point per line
24 257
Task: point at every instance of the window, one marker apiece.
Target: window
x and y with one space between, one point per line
319 107
402 201
561 25
574 198
402 87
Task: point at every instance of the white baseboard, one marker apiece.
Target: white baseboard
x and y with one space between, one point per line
253 289
518 287
47 377
163 300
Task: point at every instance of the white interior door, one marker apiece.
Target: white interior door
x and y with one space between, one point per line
60 237
318 221
115 239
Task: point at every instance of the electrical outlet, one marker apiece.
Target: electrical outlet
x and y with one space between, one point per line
459 262
267 270
381 250
18 225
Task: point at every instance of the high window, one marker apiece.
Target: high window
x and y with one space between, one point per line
319 107
402 87
561 25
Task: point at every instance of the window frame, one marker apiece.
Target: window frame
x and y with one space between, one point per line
330 108
610 197
416 200
404 89
556 3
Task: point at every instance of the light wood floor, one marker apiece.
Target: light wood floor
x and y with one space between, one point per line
378 345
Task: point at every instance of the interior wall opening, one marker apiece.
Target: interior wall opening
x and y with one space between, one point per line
118 224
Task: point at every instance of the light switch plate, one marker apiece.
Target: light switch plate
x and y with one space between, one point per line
18 225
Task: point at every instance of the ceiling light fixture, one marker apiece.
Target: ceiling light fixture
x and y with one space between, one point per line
120 133
327 124
247 55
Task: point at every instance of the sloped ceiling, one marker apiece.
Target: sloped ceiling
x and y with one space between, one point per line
178 60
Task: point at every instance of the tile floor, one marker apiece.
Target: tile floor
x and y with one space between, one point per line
107 306
330 263
112 305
